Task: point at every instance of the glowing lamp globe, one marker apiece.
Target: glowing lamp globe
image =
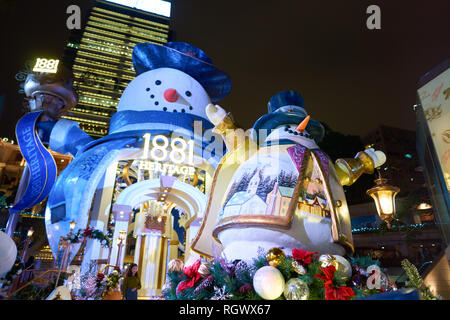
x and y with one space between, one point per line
384 196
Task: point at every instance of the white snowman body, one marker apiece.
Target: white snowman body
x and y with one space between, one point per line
247 220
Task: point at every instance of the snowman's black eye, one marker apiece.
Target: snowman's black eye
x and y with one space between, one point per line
148 89
158 82
188 93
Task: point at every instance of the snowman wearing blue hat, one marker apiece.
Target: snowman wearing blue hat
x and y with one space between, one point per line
174 82
287 193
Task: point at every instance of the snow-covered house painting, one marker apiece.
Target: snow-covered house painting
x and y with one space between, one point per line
246 202
262 189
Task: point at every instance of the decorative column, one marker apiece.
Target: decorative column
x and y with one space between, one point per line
137 249
122 216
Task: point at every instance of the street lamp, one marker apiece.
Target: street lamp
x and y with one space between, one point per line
72 226
120 242
27 243
384 196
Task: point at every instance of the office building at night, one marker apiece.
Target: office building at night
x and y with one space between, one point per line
100 56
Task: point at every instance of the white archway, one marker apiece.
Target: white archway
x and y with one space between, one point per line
155 249
192 200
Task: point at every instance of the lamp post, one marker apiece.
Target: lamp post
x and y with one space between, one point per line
120 242
65 256
384 196
27 243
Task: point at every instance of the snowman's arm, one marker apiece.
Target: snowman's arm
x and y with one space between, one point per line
349 170
67 137
225 126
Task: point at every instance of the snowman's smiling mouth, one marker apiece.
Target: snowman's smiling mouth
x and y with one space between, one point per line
297 133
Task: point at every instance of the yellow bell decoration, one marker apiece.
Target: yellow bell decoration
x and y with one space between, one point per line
274 256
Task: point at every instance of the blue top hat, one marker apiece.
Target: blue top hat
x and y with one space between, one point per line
287 107
186 58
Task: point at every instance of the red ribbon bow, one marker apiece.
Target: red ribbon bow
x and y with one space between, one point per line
192 273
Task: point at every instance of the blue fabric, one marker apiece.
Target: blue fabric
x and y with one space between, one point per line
285 98
40 163
46 127
184 57
131 295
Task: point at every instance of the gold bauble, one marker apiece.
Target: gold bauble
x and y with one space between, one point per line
298 268
274 256
340 263
175 265
204 269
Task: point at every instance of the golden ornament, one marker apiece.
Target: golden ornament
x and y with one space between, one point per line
175 265
274 256
204 269
298 268
340 263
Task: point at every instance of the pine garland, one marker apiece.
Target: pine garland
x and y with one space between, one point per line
416 281
234 280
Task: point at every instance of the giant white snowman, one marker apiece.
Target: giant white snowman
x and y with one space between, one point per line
174 83
285 193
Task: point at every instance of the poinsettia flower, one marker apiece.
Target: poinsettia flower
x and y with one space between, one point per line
303 256
331 291
87 232
192 273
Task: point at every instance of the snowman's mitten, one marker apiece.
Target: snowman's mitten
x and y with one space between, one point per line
216 114
349 170
378 157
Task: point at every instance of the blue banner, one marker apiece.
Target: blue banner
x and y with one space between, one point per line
40 163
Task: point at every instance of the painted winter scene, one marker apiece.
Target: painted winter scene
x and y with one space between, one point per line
265 185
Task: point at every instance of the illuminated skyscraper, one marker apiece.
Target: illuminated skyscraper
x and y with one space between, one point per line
100 55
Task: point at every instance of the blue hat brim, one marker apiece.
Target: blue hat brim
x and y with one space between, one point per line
150 56
273 120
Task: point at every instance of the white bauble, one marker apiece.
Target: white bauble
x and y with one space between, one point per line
341 264
8 253
268 282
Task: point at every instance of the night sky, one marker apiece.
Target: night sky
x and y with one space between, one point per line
351 78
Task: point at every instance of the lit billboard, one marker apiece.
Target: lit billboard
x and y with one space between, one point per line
154 6
435 99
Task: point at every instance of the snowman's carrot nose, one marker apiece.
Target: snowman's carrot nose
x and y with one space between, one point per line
302 126
171 95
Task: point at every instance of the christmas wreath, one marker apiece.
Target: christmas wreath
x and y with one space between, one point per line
90 233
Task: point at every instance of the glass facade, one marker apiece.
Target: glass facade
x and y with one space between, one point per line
100 58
